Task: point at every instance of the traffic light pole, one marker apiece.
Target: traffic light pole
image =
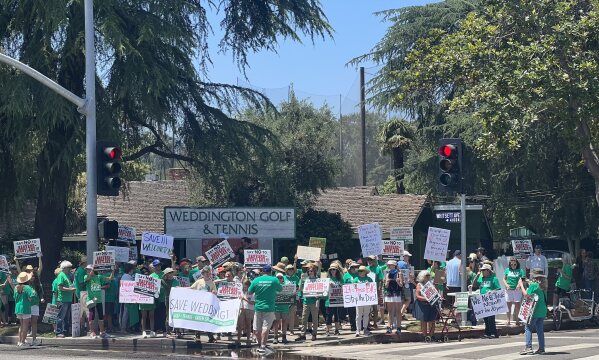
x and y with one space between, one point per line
464 277
85 106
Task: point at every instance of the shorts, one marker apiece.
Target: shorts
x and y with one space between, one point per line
393 299
407 293
282 316
263 320
23 316
513 296
35 310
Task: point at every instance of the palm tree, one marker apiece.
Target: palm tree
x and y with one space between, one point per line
395 137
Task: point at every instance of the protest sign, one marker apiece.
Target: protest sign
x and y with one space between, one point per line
229 290
121 254
527 308
256 259
437 242
27 249
103 260
133 253
430 293
318 243
308 253
402 233
360 294
392 250
183 281
461 301
333 256
146 285
219 253
4 265
315 287
75 320
156 245
202 311
128 296
126 234
522 249
287 295
371 239
335 295
489 304
406 273
51 314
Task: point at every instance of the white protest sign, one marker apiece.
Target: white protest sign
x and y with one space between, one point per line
133 253
256 259
360 294
51 314
489 304
75 320
128 296
229 290
121 254
4 265
371 239
335 295
156 245
461 301
183 281
437 242
202 311
126 234
27 249
315 287
522 249
527 308
103 260
287 294
333 256
430 293
392 250
308 253
146 285
402 233
219 253
406 273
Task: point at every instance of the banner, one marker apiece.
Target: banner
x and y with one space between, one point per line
128 296
308 253
202 311
75 320
527 308
27 249
522 249
126 234
256 259
315 287
287 295
156 245
402 233
461 301
103 261
437 242
219 253
360 294
229 290
4 265
429 291
318 243
489 304
51 314
121 254
183 281
392 250
146 285
371 239
335 295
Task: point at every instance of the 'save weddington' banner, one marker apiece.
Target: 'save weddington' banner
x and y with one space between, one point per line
202 311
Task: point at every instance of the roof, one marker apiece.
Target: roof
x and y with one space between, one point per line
364 205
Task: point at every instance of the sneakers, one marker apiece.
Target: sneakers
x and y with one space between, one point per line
144 334
275 341
388 331
527 351
366 332
152 334
261 349
357 334
397 331
104 335
337 332
93 335
540 352
36 342
327 333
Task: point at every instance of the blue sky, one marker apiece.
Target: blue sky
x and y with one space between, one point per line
316 70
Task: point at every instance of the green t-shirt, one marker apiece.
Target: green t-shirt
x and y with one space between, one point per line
362 279
64 296
80 275
7 289
162 295
191 273
306 300
541 307
266 288
110 292
488 283
54 290
564 281
23 300
293 278
512 277
348 278
94 287
377 270
35 297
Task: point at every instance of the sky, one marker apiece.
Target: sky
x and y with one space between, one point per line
317 71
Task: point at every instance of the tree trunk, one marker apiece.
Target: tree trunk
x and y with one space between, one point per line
398 164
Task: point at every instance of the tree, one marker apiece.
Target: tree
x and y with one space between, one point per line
148 80
396 137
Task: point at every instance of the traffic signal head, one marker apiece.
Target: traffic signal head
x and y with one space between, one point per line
108 156
450 165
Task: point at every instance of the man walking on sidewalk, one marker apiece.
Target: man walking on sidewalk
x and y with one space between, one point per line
266 288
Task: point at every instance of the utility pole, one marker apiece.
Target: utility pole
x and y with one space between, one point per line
363 124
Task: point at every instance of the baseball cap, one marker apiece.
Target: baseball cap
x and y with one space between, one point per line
457 253
89 267
156 263
279 275
407 253
267 268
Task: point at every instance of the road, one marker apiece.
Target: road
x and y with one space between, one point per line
574 344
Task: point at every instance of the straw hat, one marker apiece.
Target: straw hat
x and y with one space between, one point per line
23 277
472 256
392 262
279 267
289 267
537 272
168 270
28 267
363 268
354 264
334 266
486 267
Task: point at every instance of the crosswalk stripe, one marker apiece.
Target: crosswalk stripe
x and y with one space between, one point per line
594 357
361 350
467 350
549 350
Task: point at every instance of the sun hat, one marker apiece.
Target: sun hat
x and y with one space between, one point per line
371 257
354 264
279 267
168 270
486 267
201 258
89 267
472 256
392 262
289 267
363 268
279 275
28 267
65 264
23 277
285 259
537 272
207 269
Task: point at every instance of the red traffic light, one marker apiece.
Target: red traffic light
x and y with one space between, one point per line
113 153
448 150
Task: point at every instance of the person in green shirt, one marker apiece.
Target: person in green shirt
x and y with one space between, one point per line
310 304
8 293
110 299
23 295
94 283
66 292
537 289
564 280
512 279
80 275
160 311
265 287
487 282
362 312
3 300
281 314
336 281
292 276
348 278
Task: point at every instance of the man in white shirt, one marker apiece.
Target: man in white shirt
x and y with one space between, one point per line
453 272
538 261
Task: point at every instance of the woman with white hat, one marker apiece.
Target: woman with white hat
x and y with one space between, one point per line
333 312
24 296
393 284
362 312
487 281
537 288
